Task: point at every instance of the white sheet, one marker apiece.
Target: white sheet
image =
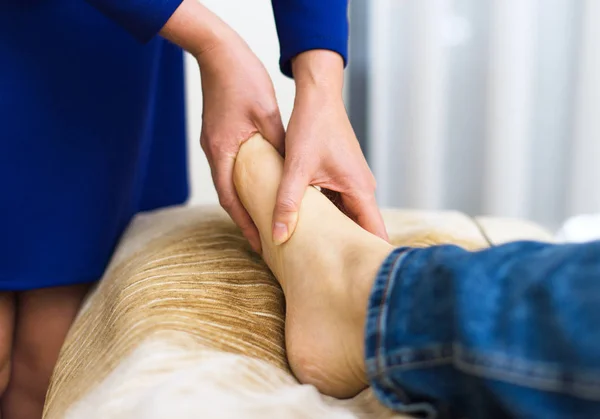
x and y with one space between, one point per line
578 229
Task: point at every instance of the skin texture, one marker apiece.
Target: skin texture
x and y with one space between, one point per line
40 320
326 270
320 146
322 149
7 323
239 101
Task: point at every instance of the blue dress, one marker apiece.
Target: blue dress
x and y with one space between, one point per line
92 124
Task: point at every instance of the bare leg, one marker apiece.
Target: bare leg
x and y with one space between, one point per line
7 320
326 271
44 317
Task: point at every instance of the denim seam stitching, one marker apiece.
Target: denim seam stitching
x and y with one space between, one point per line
531 376
530 368
588 391
416 365
409 358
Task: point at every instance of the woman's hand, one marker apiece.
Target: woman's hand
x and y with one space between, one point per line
238 99
321 149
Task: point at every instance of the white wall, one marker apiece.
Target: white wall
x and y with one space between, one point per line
254 21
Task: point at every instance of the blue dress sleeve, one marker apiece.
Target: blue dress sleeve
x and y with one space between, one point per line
142 18
303 25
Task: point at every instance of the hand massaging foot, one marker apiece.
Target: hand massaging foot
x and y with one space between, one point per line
326 270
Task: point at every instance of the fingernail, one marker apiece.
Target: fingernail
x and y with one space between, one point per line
280 233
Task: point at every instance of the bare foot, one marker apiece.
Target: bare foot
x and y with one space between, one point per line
326 270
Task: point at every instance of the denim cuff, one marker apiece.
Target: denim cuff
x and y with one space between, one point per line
378 308
509 329
408 327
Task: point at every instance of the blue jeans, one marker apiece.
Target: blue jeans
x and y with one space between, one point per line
510 331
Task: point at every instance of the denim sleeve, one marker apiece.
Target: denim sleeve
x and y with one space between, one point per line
141 18
511 331
304 25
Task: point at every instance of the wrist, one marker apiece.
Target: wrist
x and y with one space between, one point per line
319 70
196 29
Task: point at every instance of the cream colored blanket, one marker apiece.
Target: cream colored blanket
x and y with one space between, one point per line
188 323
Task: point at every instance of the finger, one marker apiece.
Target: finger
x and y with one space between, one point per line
364 210
231 203
289 197
271 127
241 217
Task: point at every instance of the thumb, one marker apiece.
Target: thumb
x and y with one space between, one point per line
289 197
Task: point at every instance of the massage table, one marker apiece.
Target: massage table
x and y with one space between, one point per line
188 322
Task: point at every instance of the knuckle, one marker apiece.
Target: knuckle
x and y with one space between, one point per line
205 144
210 139
227 202
286 205
269 112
